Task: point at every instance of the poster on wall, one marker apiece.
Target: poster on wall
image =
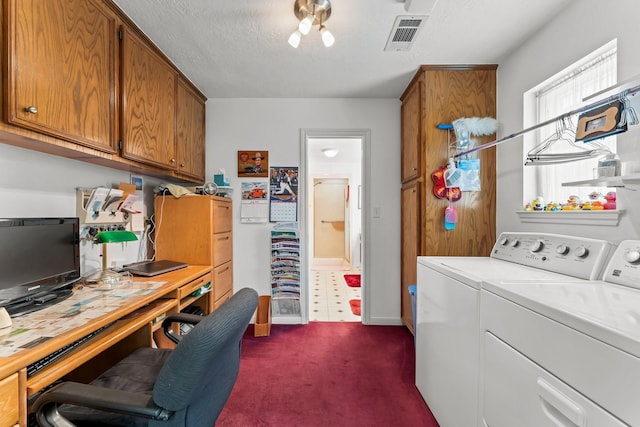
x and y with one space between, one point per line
253 163
283 194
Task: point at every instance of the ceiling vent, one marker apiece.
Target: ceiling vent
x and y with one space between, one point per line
404 32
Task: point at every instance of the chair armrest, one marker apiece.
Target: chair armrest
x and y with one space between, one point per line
191 319
124 402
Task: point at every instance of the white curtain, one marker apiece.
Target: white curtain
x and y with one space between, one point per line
562 95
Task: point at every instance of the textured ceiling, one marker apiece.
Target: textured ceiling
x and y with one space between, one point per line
239 49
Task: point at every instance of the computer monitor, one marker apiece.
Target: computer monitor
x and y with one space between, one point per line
38 256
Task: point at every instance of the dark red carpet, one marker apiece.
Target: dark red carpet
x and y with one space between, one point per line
327 374
353 280
355 306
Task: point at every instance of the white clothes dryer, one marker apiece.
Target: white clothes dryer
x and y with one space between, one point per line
448 310
563 353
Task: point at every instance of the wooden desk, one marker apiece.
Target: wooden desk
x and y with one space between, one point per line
134 311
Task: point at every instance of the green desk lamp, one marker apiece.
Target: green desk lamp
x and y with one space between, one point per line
115 236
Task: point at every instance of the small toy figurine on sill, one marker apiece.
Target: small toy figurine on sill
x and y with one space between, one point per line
611 200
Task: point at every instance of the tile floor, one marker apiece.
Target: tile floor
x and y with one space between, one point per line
330 295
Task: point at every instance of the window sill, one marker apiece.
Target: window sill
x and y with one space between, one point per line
604 217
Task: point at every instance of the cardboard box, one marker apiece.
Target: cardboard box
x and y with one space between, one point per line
262 327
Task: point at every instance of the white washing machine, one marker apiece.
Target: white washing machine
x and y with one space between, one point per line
448 311
562 353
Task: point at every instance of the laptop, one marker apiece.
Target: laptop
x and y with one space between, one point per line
153 268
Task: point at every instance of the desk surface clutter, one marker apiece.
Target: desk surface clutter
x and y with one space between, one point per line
108 322
88 302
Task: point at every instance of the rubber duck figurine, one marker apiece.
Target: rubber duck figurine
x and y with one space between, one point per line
573 203
611 200
538 204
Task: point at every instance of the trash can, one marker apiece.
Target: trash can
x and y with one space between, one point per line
412 292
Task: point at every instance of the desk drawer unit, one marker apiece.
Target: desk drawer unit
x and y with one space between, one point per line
9 401
198 229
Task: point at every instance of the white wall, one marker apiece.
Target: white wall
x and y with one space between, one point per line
577 31
274 125
33 184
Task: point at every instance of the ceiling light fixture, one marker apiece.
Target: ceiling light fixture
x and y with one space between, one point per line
330 152
310 13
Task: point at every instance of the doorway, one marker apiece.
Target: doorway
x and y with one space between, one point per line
334 167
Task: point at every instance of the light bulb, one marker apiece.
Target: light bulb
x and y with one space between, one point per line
327 37
294 38
305 25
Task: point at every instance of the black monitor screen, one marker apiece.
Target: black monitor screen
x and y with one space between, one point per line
37 255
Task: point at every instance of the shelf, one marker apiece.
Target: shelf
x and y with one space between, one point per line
604 217
612 181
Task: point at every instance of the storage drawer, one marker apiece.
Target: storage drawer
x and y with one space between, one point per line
222 248
222 216
224 298
9 401
193 286
222 280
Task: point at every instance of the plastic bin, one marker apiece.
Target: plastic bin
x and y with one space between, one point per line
412 292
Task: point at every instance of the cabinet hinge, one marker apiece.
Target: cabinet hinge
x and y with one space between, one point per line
119 34
119 144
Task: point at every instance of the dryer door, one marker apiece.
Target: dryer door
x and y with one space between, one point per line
517 392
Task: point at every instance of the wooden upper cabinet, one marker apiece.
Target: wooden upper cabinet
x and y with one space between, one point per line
148 103
411 138
190 131
61 70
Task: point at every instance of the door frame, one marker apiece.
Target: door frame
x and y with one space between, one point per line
364 135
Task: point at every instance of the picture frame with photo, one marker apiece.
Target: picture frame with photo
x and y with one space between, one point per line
253 163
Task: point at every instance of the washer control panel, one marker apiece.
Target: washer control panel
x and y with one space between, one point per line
579 257
624 266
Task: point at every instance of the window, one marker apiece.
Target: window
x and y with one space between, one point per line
560 94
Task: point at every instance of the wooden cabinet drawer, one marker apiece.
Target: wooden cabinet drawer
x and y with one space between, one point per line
193 286
221 216
9 401
222 280
222 248
224 298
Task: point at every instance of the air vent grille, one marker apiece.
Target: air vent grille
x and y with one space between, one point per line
404 32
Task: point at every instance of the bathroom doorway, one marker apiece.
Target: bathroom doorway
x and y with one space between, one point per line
332 215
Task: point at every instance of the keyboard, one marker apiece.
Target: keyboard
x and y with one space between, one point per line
38 365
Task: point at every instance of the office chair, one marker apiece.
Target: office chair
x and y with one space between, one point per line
186 386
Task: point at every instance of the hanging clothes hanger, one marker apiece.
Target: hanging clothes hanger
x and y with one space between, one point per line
564 134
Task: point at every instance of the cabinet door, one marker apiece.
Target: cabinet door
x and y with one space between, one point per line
61 70
148 104
410 235
411 117
190 142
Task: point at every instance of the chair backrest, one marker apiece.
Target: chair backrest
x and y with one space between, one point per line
198 377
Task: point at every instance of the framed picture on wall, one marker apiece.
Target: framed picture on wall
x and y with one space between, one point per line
253 163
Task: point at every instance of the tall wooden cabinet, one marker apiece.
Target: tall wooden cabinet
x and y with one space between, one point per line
197 229
439 94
